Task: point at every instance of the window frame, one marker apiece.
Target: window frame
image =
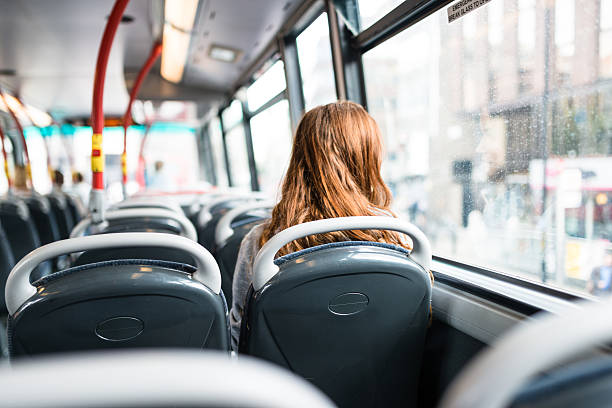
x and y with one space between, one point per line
348 48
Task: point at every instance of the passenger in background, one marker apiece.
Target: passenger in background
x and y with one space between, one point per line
334 171
80 188
58 181
159 180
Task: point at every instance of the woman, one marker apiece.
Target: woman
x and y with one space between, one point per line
334 171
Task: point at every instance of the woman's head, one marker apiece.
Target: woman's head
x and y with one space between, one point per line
334 171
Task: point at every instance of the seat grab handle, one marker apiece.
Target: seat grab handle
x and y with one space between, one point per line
19 289
264 268
189 230
224 230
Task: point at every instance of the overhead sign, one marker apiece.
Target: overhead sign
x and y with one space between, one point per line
462 7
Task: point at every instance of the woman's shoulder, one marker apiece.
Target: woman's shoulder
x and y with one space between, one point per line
252 237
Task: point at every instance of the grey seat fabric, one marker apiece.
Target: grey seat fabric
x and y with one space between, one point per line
60 209
350 317
74 208
227 254
137 225
119 304
206 233
43 218
585 384
21 232
7 261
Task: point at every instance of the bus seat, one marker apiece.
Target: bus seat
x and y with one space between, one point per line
212 212
154 378
351 317
230 231
7 261
139 220
75 207
117 303
21 232
44 219
60 209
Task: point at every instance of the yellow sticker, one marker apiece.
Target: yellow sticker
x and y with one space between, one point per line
124 163
96 141
97 163
29 171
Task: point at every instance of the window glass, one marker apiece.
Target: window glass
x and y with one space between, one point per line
372 11
174 146
216 143
271 132
268 85
605 39
232 115
498 173
314 54
238 158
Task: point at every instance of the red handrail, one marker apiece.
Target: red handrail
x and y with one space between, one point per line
23 139
97 109
127 118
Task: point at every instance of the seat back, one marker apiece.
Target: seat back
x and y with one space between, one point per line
7 261
60 209
229 232
351 317
21 233
213 211
118 303
160 378
43 218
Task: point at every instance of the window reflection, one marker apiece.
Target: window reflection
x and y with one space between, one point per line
497 172
314 54
216 143
271 132
267 86
238 158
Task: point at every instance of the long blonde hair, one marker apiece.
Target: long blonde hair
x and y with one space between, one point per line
334 171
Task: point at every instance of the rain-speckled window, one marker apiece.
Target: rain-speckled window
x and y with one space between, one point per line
501 155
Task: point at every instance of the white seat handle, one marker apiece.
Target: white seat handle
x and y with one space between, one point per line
224 228
189 230
18 288
264 268
494 376
204 216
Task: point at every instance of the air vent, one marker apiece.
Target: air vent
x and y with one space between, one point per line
8 72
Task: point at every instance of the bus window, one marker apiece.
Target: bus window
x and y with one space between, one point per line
268 85
314 54
371 11
500 154
38 160
232 115
216 143
237 155
271 132
605 39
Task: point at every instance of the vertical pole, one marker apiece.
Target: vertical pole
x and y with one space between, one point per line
295 93
230 182
96 202
248 137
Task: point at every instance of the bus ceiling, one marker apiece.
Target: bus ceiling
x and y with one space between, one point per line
52 67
